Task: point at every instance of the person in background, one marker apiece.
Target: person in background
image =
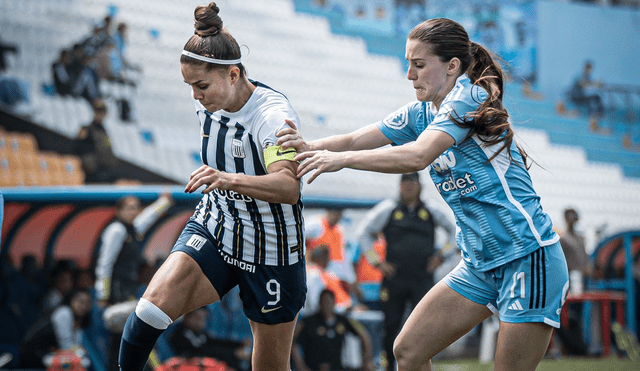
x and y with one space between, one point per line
59 330
322 335
5 49
582 94
120 257
61 284
325 230
319 278
191 339
94 147
63 79
409 229
580 269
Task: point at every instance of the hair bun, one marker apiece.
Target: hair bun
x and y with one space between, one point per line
207 21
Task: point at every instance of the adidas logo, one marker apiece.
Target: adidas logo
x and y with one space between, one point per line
516 306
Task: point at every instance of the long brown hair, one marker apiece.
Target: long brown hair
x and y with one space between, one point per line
211 39
447 39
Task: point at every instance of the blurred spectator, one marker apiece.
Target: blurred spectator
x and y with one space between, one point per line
580 268
190 339
86 80
14 92
63 79
573 245
319 279
322 336
58 330
120 260
93 146
582 93
6 48
84 279
60 285
326 231
117 55
409 229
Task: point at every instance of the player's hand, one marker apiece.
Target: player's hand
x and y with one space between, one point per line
291 138
209 177
322 161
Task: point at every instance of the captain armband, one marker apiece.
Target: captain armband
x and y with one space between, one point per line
275 153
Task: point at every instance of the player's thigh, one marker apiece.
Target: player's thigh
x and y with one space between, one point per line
521 346
179 286
272 345
440 318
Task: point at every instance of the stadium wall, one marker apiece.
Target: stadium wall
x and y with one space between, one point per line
54 223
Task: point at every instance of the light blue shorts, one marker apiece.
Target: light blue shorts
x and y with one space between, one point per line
529 289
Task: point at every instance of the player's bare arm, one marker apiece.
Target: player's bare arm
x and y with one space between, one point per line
407 158
280 185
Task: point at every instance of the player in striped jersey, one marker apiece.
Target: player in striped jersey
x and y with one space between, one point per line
248 228
512 262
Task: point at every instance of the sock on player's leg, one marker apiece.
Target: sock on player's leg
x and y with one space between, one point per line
143 328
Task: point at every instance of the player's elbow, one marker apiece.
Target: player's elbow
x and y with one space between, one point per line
291 198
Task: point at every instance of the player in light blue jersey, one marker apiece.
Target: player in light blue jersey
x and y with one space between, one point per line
512 262
247 230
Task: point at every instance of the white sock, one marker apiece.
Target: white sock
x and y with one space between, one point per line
152 315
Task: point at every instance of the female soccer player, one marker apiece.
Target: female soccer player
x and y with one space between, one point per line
512 262
248 228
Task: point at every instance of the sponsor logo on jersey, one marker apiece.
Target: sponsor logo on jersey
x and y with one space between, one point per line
465 185
248 267
196 242
237 148
265 310
233 196
445 162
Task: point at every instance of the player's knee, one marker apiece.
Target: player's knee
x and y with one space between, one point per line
152 315
407 356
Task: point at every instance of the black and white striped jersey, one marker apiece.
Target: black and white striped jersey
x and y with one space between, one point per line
248 229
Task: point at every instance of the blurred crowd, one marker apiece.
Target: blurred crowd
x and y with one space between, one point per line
79 69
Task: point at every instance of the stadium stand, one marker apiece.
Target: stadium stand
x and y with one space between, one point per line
332 81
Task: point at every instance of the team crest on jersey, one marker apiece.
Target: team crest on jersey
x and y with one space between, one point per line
397 119
237 149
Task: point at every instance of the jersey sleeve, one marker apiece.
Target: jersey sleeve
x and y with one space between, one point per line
272 121
401 126
466 101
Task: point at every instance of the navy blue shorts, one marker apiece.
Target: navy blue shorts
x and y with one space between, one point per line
270 294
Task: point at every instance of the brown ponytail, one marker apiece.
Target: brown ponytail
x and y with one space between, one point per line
490 121
211 39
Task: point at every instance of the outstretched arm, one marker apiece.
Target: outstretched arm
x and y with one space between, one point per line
368 137
405 158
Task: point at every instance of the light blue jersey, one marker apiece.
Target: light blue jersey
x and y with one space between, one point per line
498 213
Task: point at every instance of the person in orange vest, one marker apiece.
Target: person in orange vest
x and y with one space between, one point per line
318 279
325 230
